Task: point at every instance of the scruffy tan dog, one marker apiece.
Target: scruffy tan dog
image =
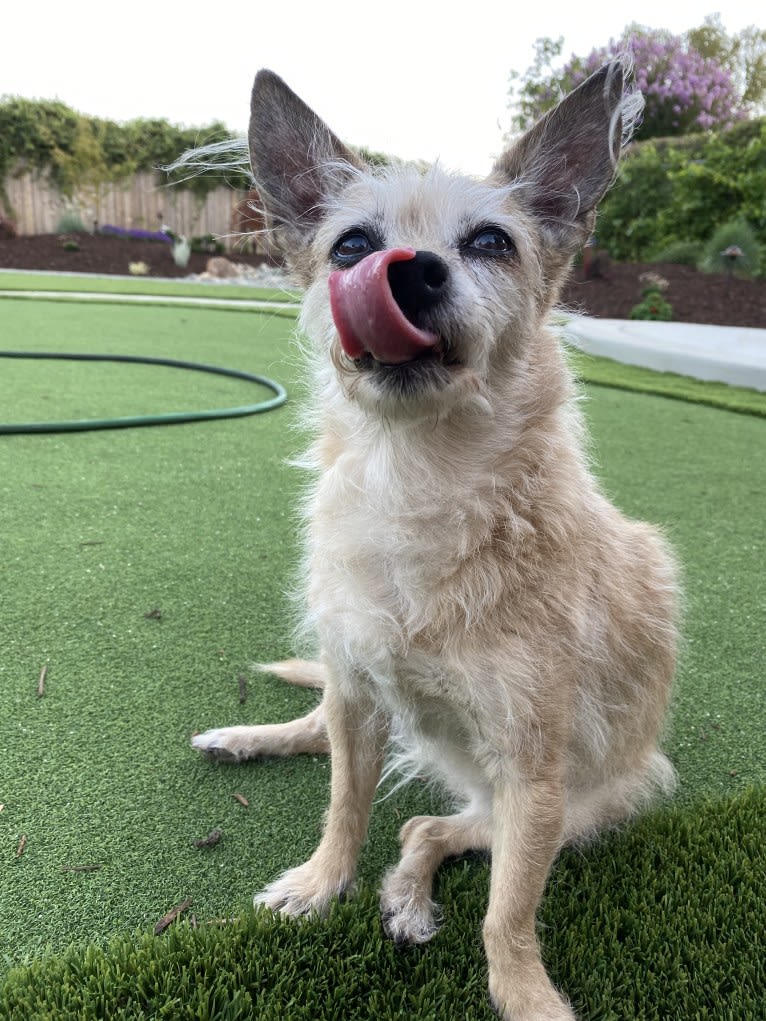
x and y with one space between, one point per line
483 611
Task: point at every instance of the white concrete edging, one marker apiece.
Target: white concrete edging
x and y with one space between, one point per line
724 354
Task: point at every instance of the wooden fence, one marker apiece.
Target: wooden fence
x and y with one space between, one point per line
143 201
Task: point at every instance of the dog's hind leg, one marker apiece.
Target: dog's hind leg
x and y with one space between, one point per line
304 736
619 797
408 912
303 672
307 735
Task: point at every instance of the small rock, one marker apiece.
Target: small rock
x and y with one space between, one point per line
221 268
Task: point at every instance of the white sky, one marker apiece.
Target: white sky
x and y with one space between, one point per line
418 78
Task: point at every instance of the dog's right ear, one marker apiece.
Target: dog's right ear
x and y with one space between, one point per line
297 162
563 165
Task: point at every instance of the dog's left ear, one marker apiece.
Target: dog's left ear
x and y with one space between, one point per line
297 162
564 163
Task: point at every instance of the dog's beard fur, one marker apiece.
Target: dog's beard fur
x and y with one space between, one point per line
478 601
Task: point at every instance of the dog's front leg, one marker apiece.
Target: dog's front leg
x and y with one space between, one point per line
357 736
526 837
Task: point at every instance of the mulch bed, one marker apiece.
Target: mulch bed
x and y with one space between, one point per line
101 253
696 297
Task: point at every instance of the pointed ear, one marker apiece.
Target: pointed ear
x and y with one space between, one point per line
563 165
297 162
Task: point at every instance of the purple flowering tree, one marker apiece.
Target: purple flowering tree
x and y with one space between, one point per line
684 90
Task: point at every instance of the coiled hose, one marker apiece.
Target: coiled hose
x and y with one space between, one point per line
129 421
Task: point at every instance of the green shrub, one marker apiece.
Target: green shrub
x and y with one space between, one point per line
653 305
207 244
668 191
627 220
48 136
681 253
8 228
70 222
736 236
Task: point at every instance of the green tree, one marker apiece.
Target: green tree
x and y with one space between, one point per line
540 87
743 55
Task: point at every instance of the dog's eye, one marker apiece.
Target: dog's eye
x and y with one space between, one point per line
351 247
491 240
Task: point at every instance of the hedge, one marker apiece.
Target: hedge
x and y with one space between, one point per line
674 190
46 135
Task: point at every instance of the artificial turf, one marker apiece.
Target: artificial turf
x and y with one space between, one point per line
147 569
65 284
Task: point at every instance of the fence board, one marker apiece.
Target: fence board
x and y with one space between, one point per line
143 201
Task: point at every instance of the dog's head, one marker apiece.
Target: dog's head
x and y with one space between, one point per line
420 284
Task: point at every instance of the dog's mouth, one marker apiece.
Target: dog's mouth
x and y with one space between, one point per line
370 301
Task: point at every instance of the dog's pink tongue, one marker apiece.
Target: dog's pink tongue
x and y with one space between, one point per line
366 314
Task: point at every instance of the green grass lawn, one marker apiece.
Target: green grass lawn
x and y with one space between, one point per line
111 288
146 568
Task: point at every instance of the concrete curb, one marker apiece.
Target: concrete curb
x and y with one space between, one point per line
723 354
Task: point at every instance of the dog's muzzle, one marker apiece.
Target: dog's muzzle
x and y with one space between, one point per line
376 304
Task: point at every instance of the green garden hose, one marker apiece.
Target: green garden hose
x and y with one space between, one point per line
85 424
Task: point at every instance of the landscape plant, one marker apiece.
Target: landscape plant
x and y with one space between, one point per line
8 228
719 256
685 90
653 304
683 190
79 152
207 244
682 253
70 222
137 233
181 251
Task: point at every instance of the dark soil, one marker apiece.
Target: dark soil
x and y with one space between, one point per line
101 253
696 297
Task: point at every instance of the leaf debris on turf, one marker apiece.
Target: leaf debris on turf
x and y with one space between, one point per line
241 799
213 837
172 915
22 845
41 681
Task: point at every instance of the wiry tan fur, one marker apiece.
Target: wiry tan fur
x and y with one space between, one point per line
482 609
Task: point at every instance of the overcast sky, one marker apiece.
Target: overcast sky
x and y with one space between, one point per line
418 78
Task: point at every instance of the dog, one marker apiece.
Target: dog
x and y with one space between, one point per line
485 615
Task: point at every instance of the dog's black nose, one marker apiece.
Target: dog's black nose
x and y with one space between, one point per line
418 284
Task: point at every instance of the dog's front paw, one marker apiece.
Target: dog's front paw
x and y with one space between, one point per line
527 997
303 890
408 914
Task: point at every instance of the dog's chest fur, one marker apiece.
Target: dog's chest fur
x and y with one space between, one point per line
390 537
405 571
